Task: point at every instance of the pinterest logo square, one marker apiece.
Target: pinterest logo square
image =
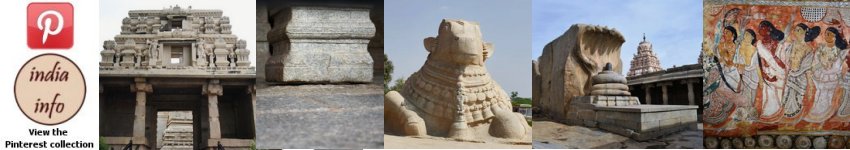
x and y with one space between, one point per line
50 25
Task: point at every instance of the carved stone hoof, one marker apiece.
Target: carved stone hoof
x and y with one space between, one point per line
507 125
415 126
400 120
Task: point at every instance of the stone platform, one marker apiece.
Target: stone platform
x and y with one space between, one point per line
621 115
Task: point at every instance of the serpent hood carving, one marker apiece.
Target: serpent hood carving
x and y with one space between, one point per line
568 63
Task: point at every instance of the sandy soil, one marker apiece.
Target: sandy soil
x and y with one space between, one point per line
553 135
397 142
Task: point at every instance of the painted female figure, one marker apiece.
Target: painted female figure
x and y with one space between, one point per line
726 78
748 66
799 75
843 114
726 49
772 72
826 76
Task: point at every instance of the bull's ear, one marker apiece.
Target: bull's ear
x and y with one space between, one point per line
488 50
430 44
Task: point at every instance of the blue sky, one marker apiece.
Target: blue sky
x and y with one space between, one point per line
674 27
505 23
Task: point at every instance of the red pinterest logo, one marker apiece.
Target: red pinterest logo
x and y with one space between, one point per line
50 25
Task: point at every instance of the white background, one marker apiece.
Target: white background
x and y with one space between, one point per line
14 125
89 17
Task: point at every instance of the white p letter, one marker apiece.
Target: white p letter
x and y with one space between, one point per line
47 22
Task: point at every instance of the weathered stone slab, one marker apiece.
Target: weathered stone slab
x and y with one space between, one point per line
320 116
640 122
644 122
320 45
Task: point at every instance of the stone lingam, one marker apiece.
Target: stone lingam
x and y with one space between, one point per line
452 95
611 107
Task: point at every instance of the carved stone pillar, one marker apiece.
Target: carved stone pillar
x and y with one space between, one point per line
302 53
690 84
141 88
252 90
212 90
664 93
648 95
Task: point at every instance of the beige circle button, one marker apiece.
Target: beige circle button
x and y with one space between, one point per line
50 89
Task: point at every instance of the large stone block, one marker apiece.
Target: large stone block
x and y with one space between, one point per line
565 68
320 45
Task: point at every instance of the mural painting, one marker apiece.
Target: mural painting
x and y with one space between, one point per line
776 74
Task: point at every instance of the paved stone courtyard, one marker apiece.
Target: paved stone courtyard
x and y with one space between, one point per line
320 116
553 135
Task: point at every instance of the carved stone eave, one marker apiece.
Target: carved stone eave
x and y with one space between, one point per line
228 38
166 12
197 73
328 50
358 26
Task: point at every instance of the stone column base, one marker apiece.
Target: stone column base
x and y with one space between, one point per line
229 144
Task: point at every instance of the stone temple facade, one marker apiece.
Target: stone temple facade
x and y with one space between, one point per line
645 60
655 85
177 59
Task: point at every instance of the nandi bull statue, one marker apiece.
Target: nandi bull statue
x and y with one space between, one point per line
452 95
